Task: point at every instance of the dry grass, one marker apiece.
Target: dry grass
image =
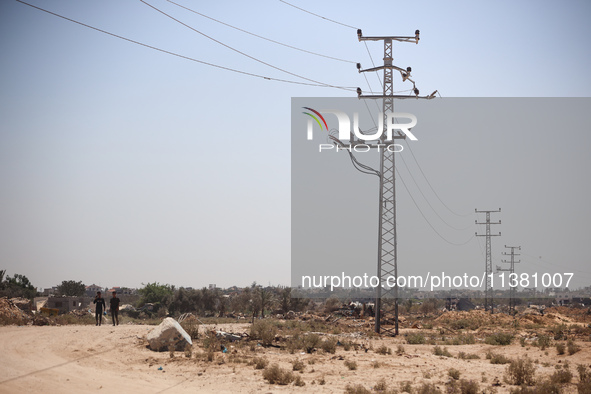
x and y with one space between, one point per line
500 338
438 351
521 371
276 375
352 365
383 350
572 347
454 373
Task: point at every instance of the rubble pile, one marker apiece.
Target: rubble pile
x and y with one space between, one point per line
9 311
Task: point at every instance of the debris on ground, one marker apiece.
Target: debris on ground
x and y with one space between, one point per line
10 311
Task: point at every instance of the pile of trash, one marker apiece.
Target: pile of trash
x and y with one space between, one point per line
79 313
10 312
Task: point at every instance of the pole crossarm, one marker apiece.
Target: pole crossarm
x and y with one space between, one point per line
412 39
381 68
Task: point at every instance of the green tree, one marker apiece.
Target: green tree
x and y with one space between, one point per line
71 288
18 286
157 294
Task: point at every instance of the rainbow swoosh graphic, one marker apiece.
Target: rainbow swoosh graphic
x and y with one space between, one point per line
315 118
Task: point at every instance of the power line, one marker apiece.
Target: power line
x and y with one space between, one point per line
240 52
372 63
261 37
319 16
179 55
428 203
431 187
424 217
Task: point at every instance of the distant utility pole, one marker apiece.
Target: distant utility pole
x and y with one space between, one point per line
488 292
511 269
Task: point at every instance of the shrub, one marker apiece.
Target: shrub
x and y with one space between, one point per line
454 373
584 386
468 356
561 377
560 347
542 342
521 371
584 375
470 324
558 331
352 365
469 387
375 364
264 331
299 381
415 339
276 375
400 350
188 351
499 359
298 365
356 389
500 338
329 345
260 362
191 326
441 352
406 387
383 350
310 342
425 388
462 386
543 387
572 347
348 345
381 385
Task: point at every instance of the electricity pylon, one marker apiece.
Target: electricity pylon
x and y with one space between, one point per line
488 292
387 245
512 278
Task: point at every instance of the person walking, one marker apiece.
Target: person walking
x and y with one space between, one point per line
99 301
115 301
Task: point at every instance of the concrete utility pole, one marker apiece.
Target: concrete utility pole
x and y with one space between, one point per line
387 245
488 292
511 269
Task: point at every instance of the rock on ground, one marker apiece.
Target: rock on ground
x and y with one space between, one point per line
168 333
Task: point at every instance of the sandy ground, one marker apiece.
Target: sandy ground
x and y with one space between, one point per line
80 359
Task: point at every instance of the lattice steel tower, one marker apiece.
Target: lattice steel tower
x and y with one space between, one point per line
387 245
511 270
488 292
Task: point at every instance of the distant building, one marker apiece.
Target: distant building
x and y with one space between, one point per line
49 291
66 304
212 286
92 289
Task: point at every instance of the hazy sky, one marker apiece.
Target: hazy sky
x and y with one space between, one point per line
122 165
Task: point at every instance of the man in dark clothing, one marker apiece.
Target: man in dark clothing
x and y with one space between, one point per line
115 308
100 305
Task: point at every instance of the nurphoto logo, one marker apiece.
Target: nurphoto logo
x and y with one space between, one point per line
345 131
